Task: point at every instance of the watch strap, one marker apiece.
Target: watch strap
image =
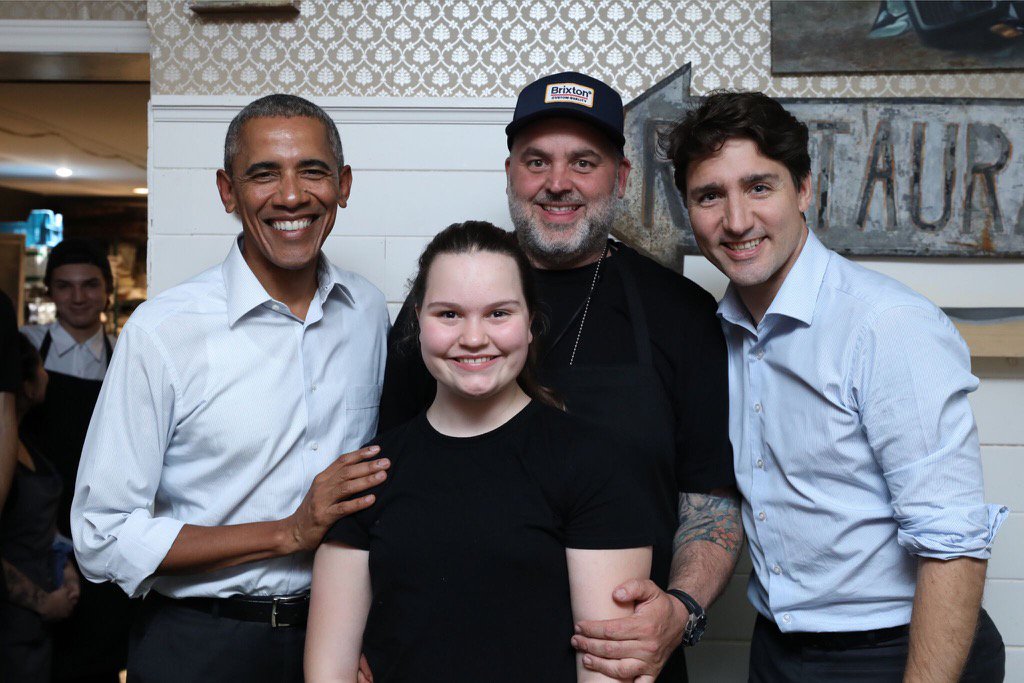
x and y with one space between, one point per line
697 621
692 606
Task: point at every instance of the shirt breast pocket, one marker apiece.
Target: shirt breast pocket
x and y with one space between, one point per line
362 401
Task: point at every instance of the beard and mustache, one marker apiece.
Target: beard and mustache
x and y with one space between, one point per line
558 245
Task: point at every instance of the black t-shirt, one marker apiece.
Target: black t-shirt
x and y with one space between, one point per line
10 354
467 546
688 354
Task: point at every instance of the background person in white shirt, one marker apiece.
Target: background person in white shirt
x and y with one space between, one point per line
211 469
79 280
76 352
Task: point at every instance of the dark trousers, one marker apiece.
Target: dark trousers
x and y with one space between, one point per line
25 648
170 644
778 658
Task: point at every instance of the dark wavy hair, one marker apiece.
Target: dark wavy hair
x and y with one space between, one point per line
467 238
724 116
74 251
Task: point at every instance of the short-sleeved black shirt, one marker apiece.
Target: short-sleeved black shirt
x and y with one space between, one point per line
10 355
687 349
467 546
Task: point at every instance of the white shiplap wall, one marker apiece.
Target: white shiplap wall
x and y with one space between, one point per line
420 164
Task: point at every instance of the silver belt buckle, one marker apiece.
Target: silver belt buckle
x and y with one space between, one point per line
273 614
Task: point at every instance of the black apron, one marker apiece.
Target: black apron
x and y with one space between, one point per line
631 401
59 425
95 639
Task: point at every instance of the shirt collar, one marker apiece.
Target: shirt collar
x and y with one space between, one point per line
244 291
64 342
798 295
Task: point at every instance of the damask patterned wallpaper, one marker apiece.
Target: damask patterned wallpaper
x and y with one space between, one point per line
74 10
491 48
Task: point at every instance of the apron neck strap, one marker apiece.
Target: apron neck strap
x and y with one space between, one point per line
44 348
636 312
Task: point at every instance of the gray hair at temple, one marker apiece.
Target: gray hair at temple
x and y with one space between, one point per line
287 106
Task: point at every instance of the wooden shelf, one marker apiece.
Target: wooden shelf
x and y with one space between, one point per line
993 340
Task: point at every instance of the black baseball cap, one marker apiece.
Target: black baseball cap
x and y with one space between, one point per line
573 95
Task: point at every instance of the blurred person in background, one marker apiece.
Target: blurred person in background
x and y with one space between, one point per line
9 375
42 586
76 351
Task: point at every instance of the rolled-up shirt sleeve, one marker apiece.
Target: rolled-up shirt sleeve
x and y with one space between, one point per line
912 386
116 533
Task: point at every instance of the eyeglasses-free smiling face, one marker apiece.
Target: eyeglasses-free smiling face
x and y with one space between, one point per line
745 211
79 291
474 326
286 188
563 179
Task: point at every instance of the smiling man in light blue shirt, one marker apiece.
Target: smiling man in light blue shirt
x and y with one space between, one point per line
211 469
855 447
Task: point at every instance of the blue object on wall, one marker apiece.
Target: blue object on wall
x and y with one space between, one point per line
44 228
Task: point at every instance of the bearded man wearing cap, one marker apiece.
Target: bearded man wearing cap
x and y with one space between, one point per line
629 345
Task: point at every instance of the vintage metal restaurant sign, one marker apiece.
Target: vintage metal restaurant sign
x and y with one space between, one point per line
906 177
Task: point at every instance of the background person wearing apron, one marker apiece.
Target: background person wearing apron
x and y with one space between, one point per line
92 646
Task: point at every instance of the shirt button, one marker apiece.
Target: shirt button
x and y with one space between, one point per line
760 464
313 388
275 307
787 618
777 569
314 445
761 516
760 354
757 407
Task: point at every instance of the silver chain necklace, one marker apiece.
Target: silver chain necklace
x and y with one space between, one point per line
586 305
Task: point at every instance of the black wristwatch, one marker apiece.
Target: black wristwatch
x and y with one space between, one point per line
697 622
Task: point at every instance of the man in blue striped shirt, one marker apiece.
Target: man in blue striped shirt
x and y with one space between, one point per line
854 444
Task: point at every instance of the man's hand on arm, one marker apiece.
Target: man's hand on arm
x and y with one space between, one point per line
946 606
705 551
199 548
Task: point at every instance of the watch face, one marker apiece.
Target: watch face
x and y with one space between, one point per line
694 630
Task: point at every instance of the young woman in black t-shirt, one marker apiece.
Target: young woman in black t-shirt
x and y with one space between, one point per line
504 519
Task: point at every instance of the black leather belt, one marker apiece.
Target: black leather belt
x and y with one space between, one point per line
839 640
279 612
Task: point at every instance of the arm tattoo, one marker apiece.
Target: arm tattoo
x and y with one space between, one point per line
21 590
711 518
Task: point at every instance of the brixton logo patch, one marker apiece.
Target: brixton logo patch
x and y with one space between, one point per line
571 93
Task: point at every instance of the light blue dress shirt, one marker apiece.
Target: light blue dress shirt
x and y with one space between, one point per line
219 408
854 445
